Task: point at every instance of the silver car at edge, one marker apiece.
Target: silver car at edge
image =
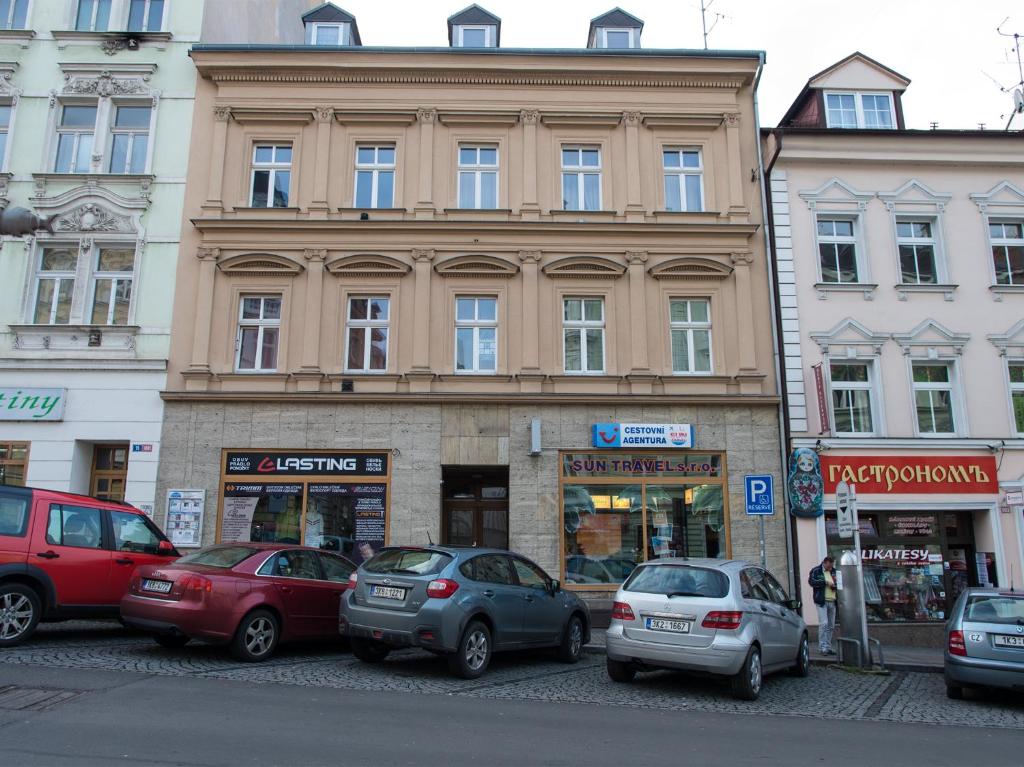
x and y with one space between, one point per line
711 616
464 603
985 641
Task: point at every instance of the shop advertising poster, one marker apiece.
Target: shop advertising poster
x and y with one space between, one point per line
185 509
240 502
350 518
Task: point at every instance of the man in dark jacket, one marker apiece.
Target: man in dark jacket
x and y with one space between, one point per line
823 580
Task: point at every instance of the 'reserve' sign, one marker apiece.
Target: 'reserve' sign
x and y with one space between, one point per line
642 435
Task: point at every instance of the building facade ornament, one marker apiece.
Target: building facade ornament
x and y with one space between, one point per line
529 116
92 217
324 114
426 115
530 256
422 254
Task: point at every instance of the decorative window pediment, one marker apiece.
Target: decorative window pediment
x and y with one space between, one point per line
1010 343
932 340
476 266
850 339
690 269
92 209
108 80
915 196
259 264
1002 199
7 90
584 267
368 265
836 195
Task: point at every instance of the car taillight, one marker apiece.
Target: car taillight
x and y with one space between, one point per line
722 619
622 612
956 643
353 579
442 589
196 583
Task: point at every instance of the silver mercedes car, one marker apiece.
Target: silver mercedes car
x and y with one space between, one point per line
712 616
985 641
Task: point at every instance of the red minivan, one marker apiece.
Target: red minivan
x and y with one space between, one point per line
68 556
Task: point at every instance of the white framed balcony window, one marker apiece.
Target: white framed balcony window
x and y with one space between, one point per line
76 130
476 334
854 410
13 14
93 15
375 176
113 276
581 178
934 389
129 138
837 249
859 110
56 273
366 337
145 15
684 179
271 175
690 332
1016 375
583 335
1007 240
920 258
259 334
478 177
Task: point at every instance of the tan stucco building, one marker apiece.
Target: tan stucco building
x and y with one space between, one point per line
416 279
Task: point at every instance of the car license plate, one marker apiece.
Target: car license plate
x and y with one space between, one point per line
663 624
160 587
1001 640
387 592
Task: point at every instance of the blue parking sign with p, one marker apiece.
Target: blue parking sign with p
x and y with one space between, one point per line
760 494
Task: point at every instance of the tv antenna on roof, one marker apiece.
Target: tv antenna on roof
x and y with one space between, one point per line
1018 88
705 7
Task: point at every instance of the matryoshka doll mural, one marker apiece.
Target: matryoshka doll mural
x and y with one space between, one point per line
805 485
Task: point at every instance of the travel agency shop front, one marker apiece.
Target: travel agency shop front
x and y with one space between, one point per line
931 524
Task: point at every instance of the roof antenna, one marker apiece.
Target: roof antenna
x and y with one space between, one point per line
705 6
1018 87
429 539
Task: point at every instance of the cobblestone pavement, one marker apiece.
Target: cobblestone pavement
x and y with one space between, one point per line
827 692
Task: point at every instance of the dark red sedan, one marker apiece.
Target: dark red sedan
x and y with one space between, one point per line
249 596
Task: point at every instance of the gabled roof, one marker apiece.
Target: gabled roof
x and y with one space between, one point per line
329 13
616 17
858 56
474 15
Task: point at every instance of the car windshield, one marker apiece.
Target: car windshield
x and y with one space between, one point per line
995 608
222 556
678 580
408 562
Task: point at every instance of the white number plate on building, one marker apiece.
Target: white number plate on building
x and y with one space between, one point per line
662 624
1001 640
161 587
387 592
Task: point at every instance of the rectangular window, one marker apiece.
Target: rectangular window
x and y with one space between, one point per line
367 335
129 139
683 179
933 398
74 138
1017 394
5 127
375 177
916 243
145 15
93 16
476 335
327 34
78 526
581 178
259 331
112 286
478 177
1007 239
13 14
690 329
583 335
271 175
837 250
851 398
109 471
13 464
55 284
859 110
617 38
475 37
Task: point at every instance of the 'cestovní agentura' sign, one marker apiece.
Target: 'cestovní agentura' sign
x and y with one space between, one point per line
642 435
283 463
32 404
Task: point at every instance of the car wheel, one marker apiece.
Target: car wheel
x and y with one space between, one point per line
746 685
954 692
20 611
171 641
256 637
572 641
619 671
473 655
802 667
368 650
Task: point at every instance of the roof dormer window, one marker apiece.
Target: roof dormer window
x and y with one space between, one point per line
329 25
873 111
327 34
615 30
616 38
474 27
466 36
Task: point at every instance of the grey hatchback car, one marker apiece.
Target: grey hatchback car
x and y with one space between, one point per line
464 603
985 641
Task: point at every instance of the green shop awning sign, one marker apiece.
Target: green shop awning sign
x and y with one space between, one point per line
25 404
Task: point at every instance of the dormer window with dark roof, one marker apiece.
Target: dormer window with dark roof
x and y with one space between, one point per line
473 27
328 24
615 30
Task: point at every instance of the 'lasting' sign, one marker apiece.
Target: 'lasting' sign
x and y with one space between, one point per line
642 435
32 404
886 474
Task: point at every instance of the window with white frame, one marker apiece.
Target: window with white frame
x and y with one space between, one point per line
129 138
934 397
475 36
583 335
859 110
476 334
919 264
375 176
684 178
478 177
76 129
97 279
112 285
852 394
259 333
93 16
1016 369
145 15
837 250
5 128
271 175
55 284
367 337
581 178
327 34
13 14
1007 238
690 331
617 38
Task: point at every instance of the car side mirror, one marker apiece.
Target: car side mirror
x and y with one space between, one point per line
793 604
167 549
555 586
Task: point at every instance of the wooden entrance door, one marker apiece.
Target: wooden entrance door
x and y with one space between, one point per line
109 471
475 506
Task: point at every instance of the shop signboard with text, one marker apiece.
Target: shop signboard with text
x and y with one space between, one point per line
918 474
27 404
619 435
283 463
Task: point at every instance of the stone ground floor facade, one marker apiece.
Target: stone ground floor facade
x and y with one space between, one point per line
341 474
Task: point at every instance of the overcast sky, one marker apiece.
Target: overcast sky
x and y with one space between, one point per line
948 48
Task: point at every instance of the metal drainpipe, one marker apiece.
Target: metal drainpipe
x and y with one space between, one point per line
779 379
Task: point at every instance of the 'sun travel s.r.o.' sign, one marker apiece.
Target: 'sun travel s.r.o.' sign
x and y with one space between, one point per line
22 404
642 435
